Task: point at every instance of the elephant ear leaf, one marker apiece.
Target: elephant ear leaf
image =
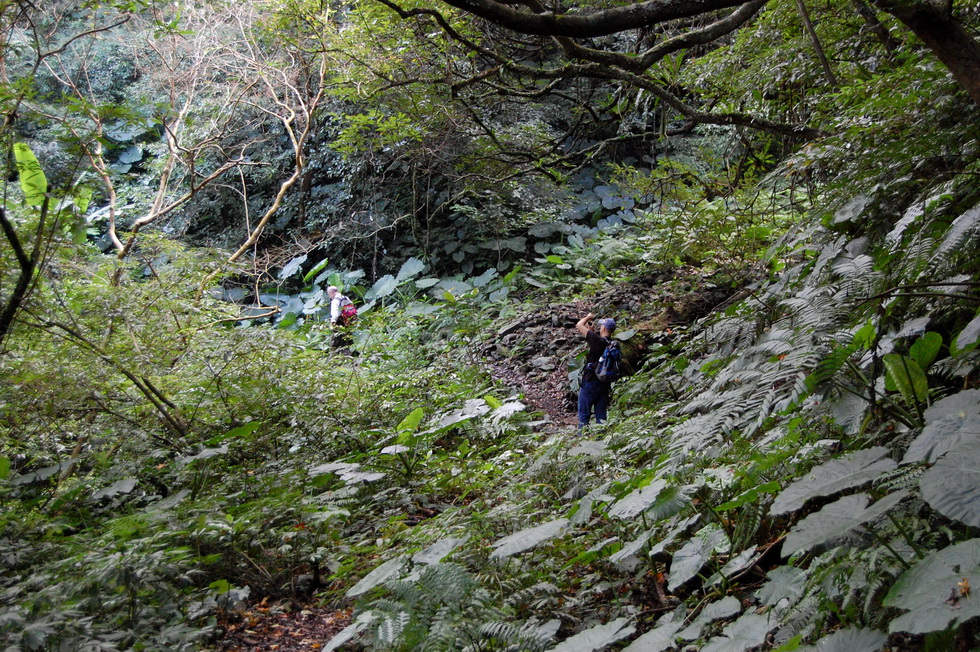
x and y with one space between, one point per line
32 179
952 485
949 422
848 640
597 638
837 519
527 539
846 472
930 591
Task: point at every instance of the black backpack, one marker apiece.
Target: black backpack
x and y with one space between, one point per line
608 368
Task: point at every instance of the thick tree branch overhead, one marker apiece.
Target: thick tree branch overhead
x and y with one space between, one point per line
575 54
588 25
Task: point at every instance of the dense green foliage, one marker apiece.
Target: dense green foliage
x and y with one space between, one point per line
792 466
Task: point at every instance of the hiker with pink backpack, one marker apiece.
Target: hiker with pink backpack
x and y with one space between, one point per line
343 314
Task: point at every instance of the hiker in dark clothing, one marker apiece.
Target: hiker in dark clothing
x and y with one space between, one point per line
593 394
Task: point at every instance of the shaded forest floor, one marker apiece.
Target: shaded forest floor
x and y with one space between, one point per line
530 356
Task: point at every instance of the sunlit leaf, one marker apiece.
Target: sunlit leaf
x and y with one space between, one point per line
658 639
925 349
411 267
292 267
412 421
438 550
377 577
785 583
316 270
382 288
903 374
727 607
32 180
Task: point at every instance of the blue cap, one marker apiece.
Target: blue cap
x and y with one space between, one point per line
609 324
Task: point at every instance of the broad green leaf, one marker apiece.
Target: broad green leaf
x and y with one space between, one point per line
4 467
492 401
123 486
835 476
679 530
235 433
528 538
205 454
425 283
966 340
79 233
929 591
926 348
865 336
598 637
749 496
738 563
837 519
220 586
727 607
902 373
850 640
952 485
745 633
83 197
656 640
316 270
633 547
378 576
40 474
411 267
948 422
132 154
483 279
32 180
292 267
637 501
785 583
383 287
412 421
438 550
691 558
555 260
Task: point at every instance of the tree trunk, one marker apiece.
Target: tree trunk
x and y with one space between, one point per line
945 36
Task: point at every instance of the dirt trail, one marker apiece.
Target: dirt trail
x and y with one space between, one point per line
530 355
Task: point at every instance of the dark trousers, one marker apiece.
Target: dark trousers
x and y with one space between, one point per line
592 394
